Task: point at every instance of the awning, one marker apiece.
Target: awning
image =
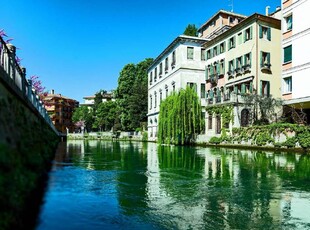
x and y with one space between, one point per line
240 81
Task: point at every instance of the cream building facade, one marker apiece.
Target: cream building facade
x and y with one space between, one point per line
296 55
241 61
182 64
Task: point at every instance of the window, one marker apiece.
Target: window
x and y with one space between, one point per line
247 60
222 47
151 102
287 54
155 75
231 43
265 32
231 65
190 53
166 65
203 54
192 85
160 95
155 100
202 90
222 67
248 34
160 69
287 85
238 63
151 78
173 60
210 122
239 38
289 22
265 59
166 87
214 51
231 19
209 54
265 88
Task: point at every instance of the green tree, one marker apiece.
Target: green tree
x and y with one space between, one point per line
98 98
191 30
131 94
106 114
263 108
180 118
85 115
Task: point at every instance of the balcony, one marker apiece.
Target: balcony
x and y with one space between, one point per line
213 78
218 99
230 74
238 71
265 67
226 97
246 68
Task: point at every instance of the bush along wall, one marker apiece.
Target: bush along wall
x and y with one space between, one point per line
277 135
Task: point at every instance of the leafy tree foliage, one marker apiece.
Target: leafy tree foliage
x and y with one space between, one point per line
82 115
263 108
105 115
191 30
131 94
180 118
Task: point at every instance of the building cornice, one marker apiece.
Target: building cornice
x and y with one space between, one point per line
178 40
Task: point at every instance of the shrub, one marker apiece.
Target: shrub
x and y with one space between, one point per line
277 144
263 139
215 140
290 142
304 139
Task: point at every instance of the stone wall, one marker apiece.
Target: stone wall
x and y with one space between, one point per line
27 146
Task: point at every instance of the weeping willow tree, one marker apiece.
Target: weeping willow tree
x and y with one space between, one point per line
180 118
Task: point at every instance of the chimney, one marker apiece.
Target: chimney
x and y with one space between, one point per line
52 91
267 10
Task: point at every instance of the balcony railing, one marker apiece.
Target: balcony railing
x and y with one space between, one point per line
16 77
265 66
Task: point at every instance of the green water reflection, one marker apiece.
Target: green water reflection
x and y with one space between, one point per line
169 187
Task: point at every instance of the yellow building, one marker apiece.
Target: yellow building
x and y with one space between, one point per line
245 59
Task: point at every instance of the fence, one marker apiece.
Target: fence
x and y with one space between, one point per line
16 78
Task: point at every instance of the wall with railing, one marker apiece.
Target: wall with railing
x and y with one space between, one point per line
14 76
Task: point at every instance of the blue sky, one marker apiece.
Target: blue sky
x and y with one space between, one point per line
78 47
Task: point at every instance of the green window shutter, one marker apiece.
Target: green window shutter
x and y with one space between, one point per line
218 67
218 49
261 58
211 70
244 36
261 87
241 62
250 59
268 58
287 54
234 39
224 67
235 89
242 88
211 93
269 34
251 87
251 32
260 31
244 59
268 88
224 46
207 74
218 92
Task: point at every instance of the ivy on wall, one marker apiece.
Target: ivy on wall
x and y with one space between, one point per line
226 112
180 118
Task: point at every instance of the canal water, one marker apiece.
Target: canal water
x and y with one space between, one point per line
133 185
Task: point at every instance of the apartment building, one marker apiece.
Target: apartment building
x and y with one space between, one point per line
219 23
60 110
182 64
89 101
243 60
296 58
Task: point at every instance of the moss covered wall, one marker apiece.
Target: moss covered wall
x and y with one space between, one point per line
27 146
